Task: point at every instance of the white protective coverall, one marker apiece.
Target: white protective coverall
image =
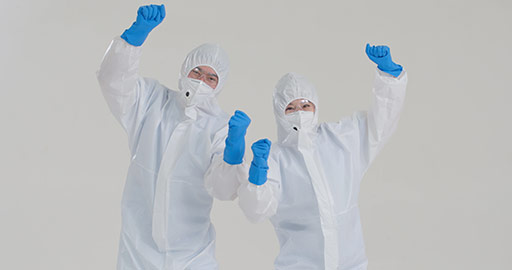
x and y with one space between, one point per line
173 137
311 195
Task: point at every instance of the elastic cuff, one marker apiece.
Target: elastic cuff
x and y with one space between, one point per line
233 161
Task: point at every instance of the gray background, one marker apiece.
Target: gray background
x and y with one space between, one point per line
437 197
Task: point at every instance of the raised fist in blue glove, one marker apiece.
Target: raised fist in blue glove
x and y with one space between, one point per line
381 56
235 142
148 17
259 166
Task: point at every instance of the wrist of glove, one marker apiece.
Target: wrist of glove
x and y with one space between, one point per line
393 69
234 151
260 162
258 174
235 133
136 34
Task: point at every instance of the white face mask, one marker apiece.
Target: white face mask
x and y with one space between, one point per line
301 119
195 91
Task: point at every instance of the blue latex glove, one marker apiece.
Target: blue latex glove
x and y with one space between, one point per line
148 17
259 166
235 142
380 55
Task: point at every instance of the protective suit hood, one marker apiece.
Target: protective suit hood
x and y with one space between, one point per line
197 93
290 87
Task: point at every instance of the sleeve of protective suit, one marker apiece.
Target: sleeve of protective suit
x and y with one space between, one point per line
382 118
222 179
260 202
128 95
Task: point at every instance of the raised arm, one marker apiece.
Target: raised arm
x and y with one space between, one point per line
118 76
259 193
380 121
227 168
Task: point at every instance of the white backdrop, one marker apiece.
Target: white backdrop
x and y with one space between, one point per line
437 197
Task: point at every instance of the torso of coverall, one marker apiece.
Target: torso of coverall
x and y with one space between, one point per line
165 206
314 184
317 218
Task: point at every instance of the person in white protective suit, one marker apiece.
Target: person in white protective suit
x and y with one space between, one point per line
174 138
309 187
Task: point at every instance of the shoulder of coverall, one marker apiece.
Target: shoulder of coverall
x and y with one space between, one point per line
346 124
152 88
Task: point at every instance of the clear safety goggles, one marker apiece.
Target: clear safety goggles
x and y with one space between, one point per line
198 74
299 105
